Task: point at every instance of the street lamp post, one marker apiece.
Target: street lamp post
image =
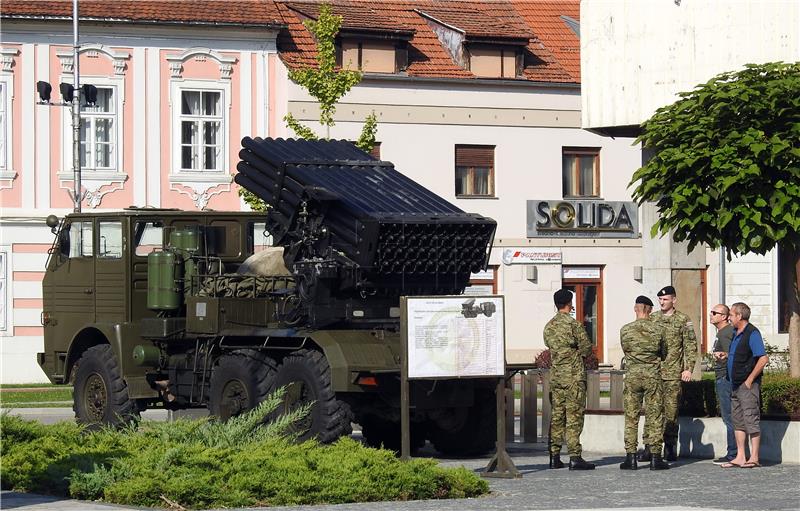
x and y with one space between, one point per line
76 114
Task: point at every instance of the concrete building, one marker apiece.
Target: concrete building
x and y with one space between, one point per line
661 48
438 119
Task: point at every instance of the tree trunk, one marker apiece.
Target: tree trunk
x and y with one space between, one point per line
792 281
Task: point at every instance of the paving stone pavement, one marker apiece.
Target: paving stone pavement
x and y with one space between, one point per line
690 485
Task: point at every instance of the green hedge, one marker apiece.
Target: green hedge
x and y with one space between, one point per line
780 395
204 464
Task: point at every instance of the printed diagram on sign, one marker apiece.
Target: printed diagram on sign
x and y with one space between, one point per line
470 310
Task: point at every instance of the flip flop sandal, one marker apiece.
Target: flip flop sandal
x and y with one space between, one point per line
751 464
731 465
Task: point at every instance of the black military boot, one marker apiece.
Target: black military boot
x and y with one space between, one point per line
645 455
555 461
630 462
657 463
670 452
578 463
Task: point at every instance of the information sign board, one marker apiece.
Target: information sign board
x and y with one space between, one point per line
455 336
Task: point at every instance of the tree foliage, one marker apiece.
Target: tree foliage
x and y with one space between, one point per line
726 165
725 171
327 84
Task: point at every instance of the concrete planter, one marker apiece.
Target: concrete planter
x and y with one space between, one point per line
697 437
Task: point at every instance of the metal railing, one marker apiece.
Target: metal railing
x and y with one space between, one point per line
603 395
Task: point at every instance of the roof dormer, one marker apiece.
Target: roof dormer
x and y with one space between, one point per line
367 41
487 47
372 51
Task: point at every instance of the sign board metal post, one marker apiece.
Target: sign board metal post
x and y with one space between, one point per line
501 465
405 425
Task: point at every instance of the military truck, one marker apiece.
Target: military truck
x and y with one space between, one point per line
164 308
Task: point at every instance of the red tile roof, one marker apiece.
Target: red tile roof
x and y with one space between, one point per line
427 57
495 20
552 52
248 12
544 17
355 16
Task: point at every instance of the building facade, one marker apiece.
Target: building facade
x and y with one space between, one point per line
478 101
176 91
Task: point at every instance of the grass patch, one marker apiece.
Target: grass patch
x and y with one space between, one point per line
21 398
29 386
207 464
47 404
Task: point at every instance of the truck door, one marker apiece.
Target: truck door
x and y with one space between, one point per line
111 282
69 287
146 235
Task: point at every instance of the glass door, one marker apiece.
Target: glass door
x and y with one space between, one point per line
587 287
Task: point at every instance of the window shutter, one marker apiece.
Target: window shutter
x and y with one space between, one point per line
475 156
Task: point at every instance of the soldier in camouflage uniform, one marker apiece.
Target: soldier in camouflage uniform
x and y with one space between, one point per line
568 344
643 344
677 366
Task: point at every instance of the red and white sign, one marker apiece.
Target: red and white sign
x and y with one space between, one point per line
530 255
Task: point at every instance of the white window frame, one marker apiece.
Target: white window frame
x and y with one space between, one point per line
6 155
88 119
116 172
177 174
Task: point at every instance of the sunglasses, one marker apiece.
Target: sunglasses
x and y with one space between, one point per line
714 313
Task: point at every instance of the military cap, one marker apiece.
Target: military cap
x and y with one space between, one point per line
644 300
562 296
667 290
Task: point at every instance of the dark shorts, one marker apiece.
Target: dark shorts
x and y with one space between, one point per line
746 408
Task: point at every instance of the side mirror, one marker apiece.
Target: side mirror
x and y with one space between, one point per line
52 222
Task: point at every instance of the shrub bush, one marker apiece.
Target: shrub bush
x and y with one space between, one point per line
698 399
780 395
202 464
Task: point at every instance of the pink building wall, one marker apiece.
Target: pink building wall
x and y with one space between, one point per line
41 188
11 192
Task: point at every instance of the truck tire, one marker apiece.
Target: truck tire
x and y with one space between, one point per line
382 433
239 382
100 396
475 434
307 376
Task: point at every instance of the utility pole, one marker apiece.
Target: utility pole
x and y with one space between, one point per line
76 114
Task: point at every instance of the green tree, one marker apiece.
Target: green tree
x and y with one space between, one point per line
326 84
725 170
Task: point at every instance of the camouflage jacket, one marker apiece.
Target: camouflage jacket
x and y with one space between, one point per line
644 345
568 345
681 344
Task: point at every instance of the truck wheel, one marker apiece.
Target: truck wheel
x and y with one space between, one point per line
239 382
307 378
100 396
475 434
382 433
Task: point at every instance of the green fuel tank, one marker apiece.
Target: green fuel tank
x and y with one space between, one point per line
161 290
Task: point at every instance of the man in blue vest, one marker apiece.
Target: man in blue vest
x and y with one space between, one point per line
746 360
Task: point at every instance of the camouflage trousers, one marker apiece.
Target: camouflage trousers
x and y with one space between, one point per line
671 390
639 389
568 402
